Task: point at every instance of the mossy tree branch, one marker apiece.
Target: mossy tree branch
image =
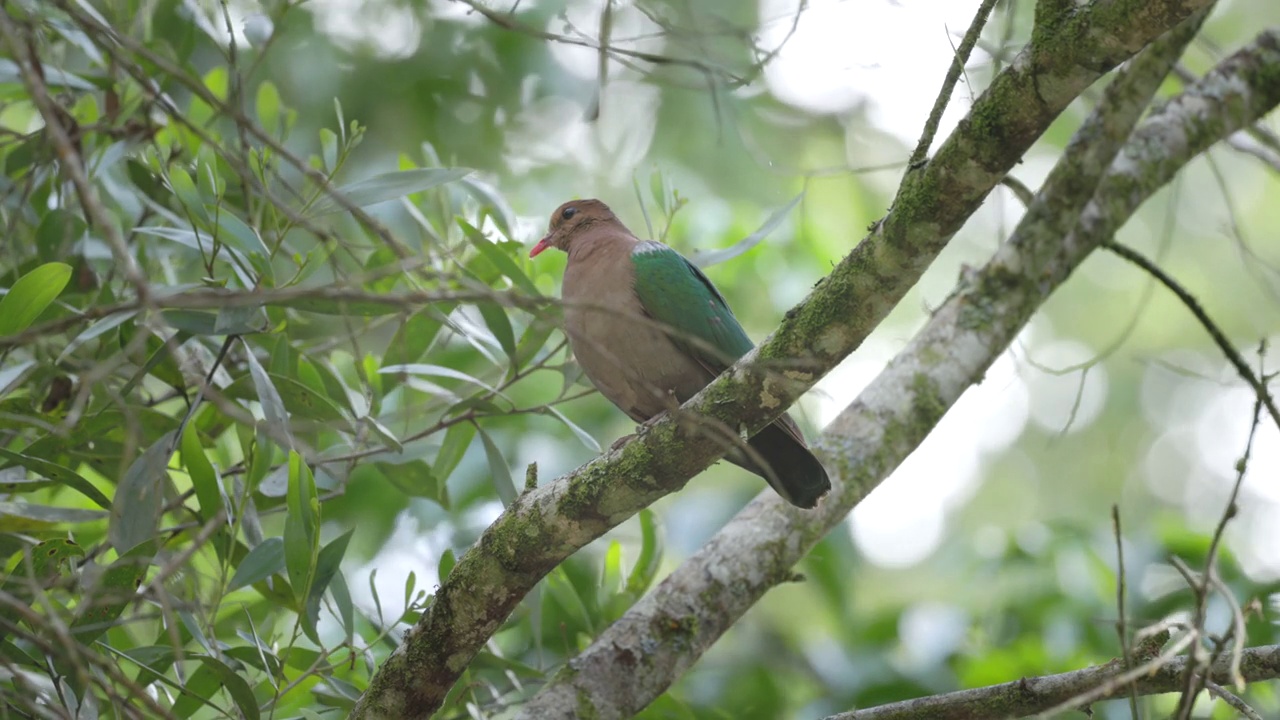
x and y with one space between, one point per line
1033 695
638 657
543 527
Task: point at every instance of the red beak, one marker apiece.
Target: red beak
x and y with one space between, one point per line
543 244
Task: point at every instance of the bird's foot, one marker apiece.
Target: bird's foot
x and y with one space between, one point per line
639 429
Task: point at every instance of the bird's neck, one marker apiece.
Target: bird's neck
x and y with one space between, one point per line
602 244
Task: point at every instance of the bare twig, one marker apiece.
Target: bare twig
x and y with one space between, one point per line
949 83
1219 338
1122 629
1042 694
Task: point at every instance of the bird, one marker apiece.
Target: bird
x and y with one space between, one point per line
650 330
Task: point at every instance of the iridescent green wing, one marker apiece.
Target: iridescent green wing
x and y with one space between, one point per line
675 293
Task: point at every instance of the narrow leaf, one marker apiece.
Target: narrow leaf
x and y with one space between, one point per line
269 396
346 609
235 685
203 477
583 436
456 441
498 469
49 513
117 587
262 562
135 510
388 186
327 563
235 232
500 259
646 567
30 295
58 474
495 318
711 257
301 526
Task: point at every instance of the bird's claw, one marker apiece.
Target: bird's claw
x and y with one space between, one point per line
639 429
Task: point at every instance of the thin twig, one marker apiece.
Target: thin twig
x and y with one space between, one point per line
958 62
1219 338
1122 629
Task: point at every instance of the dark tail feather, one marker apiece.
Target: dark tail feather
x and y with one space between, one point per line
792 470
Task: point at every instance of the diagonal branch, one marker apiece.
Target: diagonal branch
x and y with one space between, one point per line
1032 695
544 526
663 634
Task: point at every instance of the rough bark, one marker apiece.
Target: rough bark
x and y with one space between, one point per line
1035 695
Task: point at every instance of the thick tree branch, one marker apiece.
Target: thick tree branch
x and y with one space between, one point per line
544 526
662 635
1032 695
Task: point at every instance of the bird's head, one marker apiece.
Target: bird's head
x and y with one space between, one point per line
570 221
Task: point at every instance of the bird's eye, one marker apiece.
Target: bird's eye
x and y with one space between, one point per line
568 212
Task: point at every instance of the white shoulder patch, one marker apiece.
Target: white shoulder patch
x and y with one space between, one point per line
648 246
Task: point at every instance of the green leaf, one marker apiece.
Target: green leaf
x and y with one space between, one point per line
234 684
566 595
184 187
646 567
456 441
49 513
711 257
240 320
203 477
346 609
51 76
115 590
200 689
495 318
269 396
94 331
54 557
196 322
10 375
327 563
533 340
388 186
235 232
152 660
383 432
583 436
296 398
414 478
135 509
268 106
414 337
499 471
30 295
58 474
500 259
57 230
329 149
447 561
440 371
491 203
611 578
301 526
262 562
